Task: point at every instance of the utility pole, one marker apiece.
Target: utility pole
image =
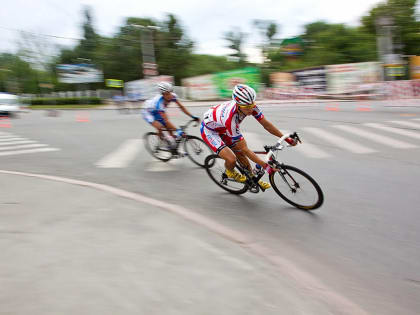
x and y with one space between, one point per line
148 49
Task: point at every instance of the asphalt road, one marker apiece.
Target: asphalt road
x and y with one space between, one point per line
364 243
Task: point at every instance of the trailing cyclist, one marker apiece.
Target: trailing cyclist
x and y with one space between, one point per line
220 130
154 110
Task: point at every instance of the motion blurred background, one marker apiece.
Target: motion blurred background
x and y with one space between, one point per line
89 52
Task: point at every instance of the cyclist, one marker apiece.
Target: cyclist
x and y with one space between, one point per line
220 130
154 111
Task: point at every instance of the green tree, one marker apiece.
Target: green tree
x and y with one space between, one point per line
236 39
90 41
406 31
174 49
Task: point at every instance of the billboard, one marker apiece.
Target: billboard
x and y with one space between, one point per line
314 78
281 79
145 88
292 46
201 87
225 81
415 67
351 77
78 73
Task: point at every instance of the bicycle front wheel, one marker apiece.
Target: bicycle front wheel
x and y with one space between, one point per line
215 167
158 148
297 188
197 150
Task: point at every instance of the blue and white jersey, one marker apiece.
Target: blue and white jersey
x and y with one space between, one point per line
157 104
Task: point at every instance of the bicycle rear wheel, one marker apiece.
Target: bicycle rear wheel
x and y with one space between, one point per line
197 150
158 148
297 188
215 167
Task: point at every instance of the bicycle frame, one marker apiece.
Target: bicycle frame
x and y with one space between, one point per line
252 181
184 134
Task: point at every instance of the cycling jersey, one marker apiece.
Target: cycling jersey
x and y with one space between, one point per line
220 126
157 104
154 107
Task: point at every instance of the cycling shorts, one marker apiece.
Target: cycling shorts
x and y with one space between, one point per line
217 141
150 117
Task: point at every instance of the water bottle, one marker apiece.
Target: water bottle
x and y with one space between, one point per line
258 169
179 134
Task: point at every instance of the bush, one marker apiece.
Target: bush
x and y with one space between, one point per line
59 101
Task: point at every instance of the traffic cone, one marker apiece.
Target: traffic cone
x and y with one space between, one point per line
5 122
332 108
82 117
364 108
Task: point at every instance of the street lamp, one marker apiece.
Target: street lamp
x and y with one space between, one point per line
148 50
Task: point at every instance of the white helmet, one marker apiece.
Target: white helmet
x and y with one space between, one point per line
165 87
244 94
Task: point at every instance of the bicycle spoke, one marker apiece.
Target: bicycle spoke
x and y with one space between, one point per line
216 170
197 150
297 188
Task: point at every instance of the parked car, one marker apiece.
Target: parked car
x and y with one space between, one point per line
10 105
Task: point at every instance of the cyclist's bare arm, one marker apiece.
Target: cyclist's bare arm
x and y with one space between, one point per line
182 107
272 129
170 126
242 146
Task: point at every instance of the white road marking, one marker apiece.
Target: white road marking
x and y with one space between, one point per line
159 166
405 123
11 139
375 137
123 155
28 151
402 132
24 146
17 142
311 150
339 141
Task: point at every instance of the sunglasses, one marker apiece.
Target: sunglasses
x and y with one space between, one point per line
247 106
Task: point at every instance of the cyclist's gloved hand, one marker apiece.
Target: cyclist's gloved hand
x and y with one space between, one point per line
291 141
197 119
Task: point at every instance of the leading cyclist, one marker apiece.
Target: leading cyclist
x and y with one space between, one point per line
154 111
220 130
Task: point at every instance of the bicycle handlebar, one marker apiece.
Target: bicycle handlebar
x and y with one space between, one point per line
279 145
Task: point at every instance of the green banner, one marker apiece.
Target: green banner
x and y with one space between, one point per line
225 81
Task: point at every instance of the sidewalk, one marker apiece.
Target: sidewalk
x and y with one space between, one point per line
68 249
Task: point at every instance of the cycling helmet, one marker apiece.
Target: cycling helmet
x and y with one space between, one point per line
244 95
165 87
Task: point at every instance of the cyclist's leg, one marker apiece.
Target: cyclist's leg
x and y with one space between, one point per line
170 126
237 148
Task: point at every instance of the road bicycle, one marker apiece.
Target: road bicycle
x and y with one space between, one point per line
166 148
292 184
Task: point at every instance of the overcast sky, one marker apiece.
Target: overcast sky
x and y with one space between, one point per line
205 22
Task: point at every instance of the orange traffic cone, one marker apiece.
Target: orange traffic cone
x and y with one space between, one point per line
5 122
364 108
82 117
332 107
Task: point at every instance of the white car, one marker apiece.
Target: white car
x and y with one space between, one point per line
10 105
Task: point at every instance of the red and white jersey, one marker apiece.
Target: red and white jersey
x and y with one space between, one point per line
225 119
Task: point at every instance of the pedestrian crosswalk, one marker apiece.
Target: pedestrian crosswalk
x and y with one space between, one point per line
323 142
11 144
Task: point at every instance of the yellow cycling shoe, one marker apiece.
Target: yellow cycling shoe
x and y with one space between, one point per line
236 176
264 185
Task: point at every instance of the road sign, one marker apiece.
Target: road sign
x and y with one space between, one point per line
114 83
